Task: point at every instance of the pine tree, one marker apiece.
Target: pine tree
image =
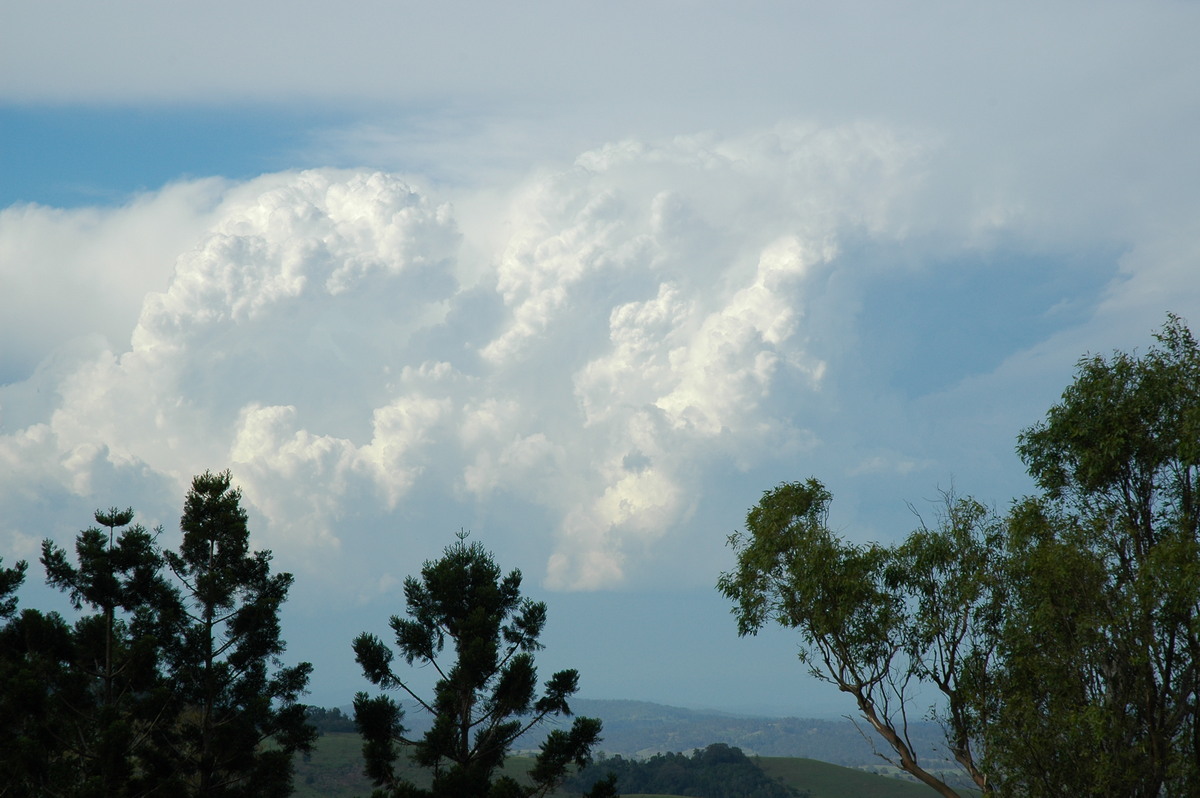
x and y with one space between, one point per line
485 699
104 688
240 724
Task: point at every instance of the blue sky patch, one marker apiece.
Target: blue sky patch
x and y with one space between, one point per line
72 156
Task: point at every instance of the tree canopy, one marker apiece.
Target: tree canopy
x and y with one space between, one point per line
111 692
1106 609
875 621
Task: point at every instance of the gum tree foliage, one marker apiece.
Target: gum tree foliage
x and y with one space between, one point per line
1064 638
239 723
468 622
878 621
1048 732
1117 459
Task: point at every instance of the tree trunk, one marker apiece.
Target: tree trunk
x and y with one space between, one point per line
907 761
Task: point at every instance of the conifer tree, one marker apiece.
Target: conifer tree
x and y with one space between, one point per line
10 580
36 652
108 697
486 696
240 724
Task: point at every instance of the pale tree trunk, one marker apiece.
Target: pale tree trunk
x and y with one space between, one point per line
908 762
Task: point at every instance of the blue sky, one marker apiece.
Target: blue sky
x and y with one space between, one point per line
71 156
583 279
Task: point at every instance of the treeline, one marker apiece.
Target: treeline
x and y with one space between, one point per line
640 729
717 771
330 721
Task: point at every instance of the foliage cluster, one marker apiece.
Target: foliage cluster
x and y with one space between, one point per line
1063 637
170 682
718 771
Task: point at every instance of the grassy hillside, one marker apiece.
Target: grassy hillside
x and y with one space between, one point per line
823 780
335 771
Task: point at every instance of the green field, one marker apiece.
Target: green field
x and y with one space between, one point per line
335 771
823 780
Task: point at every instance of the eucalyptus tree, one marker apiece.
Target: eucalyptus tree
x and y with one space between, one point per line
486 695
875 621
1064 638
1118 461
952 578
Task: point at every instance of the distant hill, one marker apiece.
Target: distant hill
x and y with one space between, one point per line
640 728
335 771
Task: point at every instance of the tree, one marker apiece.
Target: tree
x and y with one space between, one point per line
1117 459
484 700
240 723
10 580
953 582
85 702
876 621
1047 733
118 651
718 771
1065 637
36 654
25 758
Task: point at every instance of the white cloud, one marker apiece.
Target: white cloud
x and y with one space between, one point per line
604 346
88 270
298 290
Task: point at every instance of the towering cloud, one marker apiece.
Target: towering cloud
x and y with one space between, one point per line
597 346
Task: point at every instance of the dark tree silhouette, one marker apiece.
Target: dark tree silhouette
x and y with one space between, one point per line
236 694
486 696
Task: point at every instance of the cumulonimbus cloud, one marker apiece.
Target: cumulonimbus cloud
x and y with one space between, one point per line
642 320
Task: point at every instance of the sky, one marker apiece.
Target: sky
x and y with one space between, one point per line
584 279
